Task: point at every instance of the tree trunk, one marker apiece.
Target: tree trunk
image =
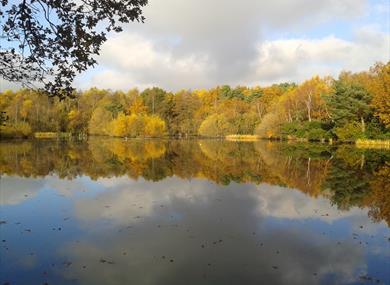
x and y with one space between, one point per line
363 125
258 110
308 107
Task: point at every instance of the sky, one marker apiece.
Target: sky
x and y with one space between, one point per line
193 44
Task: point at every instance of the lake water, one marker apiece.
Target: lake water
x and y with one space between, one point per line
109 211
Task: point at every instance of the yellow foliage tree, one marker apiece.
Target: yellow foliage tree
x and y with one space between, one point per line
154 127
120 126
380 90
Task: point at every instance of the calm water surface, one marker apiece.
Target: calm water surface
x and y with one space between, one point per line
193 212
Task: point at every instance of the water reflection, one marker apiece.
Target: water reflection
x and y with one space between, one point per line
194 212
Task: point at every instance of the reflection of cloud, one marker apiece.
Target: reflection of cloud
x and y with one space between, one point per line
129 198
64 186
196 213
285 203
15 190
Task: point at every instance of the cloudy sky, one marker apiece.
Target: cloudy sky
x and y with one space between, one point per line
203 43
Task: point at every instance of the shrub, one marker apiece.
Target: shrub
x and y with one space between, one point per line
350 132
18 130
318 134
305 130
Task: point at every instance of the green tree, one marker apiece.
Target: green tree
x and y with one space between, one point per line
350 102
154 99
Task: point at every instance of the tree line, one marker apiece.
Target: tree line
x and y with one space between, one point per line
353 106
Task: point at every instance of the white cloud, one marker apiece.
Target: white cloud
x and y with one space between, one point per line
298 59
134 60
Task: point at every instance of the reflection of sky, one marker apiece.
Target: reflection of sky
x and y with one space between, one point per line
70 231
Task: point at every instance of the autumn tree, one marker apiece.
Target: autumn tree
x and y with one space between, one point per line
154 127
380 90
99 124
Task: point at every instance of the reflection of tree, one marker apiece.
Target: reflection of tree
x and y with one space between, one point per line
347 185
348 176
227 161
379 198
361 178
300 166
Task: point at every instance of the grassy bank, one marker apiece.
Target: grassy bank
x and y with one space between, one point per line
242 137
363 143
51 135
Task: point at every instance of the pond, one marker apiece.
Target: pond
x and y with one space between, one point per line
109 211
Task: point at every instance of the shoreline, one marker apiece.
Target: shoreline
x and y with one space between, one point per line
360 143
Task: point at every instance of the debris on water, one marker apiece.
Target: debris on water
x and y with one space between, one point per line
67 218
163 257
28 230
275 267
102 260
84 266
171 260
67 263
202 246
361 227
59 229
3 222
365 277
3 240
